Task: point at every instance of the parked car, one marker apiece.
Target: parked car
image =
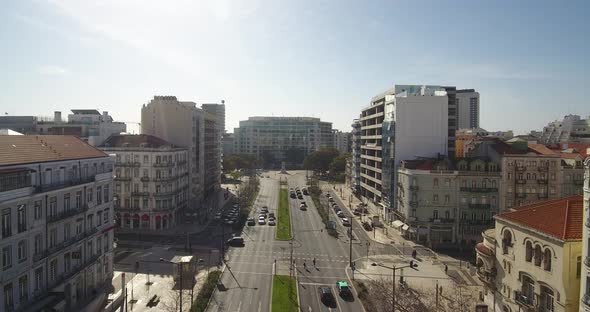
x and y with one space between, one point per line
272 222
292 195
340 214
236 241
271 215
303 207
261 221
327 297
367 226
305 191
271 218
251 221
345 222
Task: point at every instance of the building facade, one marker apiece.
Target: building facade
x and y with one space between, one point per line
585 280
228 144
467 109
342 141
277 139
355 162
185 125
531 260
56 202
151 182
87 124
571 129
214 130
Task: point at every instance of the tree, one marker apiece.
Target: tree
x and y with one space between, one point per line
238 162
320 160
268 159
295 155
338 165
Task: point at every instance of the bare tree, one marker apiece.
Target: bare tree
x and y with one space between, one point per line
171 300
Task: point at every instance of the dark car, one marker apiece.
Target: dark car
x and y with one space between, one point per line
251 222
327 297
344 289
236 241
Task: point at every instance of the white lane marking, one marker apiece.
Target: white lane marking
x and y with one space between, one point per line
239 306
259 306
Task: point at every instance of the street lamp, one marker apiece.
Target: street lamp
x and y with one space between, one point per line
412 265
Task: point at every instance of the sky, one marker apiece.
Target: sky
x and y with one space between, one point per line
321 58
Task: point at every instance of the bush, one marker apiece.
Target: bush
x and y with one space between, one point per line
200 304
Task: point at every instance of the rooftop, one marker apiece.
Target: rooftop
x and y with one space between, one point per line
26 149
85 111
560 218
131 140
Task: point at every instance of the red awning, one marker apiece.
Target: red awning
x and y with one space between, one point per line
158 217
145 217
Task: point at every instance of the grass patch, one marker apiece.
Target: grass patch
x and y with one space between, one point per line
281 299
284 217
200 304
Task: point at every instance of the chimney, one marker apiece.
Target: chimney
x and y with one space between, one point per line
57 117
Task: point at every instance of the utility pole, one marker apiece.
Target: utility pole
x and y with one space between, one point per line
393 292
350 248
368 244
180 265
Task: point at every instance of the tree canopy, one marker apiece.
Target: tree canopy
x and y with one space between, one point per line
321 159
238 162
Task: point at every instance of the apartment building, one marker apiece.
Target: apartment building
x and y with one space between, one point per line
389 134
56 202
87 124
572 128
184 124
214 130
531 260
466 139
151 182
276 139
355 162
342 141
585 280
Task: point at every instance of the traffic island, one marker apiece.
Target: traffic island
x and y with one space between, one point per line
284 294
284 217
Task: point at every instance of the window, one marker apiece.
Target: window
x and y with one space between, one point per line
8 299
52 237
529 252
547 260
23 288
435 214
38 278
21 252
99 245
79 199
106 242
99 195
435 198
447 182
413 212
145 159
21 216
98 218
447 199
38 210
7 257
6 223
106 216
89 195
538 255
67 231
53 206
578 266
67 262
506 241
547 296
158 159
106 195
53 270
38 244
435 182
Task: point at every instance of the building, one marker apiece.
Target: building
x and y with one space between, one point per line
227 141
87 124
466 139
342 141
56 201
355 163
571 129
282 139
467 109
214 130
446 205
390 134
531 260
585 280
151 182
185 125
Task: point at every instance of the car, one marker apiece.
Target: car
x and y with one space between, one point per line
300 196
230 222
337 209
344 289
265 208
236 241
367 226
271 218
303 203
340 214
272 222
305 192
327 297
303 207
271 215
345 222
236 205
251 221
292 195
261 221
262 215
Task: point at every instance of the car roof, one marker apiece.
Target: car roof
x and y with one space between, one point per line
342 284
325 289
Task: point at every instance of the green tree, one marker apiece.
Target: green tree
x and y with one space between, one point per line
321 159
238 162
295 155
338 165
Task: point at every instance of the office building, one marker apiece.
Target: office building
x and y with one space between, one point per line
227 141
355 163
151 182
342 141
214 130
282 139
532 259
467 109
184 124
56 201
571 129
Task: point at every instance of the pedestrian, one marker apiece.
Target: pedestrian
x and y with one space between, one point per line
446 269
314 262
304 265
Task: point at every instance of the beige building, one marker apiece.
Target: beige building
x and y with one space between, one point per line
531 260
56 206
585 281
151 182
185 125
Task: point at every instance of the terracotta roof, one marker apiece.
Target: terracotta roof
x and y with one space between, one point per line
503 148
541 149
130 140
26 149
560 218
580 147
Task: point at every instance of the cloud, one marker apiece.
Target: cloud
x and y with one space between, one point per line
52 70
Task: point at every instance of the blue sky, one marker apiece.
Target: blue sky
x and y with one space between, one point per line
528 59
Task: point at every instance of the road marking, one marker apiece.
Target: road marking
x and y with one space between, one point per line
240 306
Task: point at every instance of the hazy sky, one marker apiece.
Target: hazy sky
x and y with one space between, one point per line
528 59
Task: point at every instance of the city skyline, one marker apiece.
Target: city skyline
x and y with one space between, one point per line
335 55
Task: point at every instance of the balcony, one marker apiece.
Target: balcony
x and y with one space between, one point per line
166 193
542 181
66 214
520 181
520 168
55 186
441 221
520 195
523 300
145 179
414 188
140 194
578 182
128 164
117 178
587 261
586 300
65 244
479 206
479 189
487 277
164 164
73 271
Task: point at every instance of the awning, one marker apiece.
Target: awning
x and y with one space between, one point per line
405 227
397 223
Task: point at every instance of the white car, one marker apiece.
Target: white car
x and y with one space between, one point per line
340 214
261 221
345 222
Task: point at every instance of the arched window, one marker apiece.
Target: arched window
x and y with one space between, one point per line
547 260
506 241
529 252
538 255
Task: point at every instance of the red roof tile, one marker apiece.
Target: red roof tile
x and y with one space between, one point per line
541 149
26 149
561 218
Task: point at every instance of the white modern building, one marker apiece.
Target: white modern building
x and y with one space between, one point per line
56 206
571 129
151 182
585 280
184 124
342 141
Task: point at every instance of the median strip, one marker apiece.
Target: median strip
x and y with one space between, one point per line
284 216
284 294
206 291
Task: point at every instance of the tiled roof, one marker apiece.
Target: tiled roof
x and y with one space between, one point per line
129 140
560 218
26 149
541 149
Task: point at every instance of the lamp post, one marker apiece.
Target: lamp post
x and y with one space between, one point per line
393 269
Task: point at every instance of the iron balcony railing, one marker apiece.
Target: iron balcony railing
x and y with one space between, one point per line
479 206
478 189
55 186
